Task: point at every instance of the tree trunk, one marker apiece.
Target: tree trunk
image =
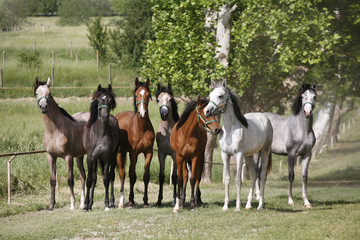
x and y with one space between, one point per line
223 35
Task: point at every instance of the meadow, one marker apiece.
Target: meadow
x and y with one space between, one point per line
334 179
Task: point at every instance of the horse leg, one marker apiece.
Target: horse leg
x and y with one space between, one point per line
70 172
120 159
174 177
106 185
132 175
161 157
185 180
146 177
192 182
263 176
94 180
238 179
80 164
250 163
305 165
112 179
179 161
198 173
226 178
88 184
291 162
52 165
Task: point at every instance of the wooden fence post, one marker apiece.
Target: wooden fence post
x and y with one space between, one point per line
71 49
52 76
53 58
9 178
97 59
34 45
1 77
43 28
76 57
4 58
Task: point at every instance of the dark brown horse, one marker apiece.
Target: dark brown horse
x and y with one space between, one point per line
136 136
188 139
102 142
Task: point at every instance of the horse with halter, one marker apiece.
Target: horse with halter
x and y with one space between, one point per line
169 116
102 142
294 136
136 136
63 138
241 136
188 139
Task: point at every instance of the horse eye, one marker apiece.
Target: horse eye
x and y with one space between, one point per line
221 96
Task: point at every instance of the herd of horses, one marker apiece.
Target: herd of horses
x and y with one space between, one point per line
107 139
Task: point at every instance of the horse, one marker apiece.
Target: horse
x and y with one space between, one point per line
169 116
136 136
294 136
102 142
63 138
241 136
188 139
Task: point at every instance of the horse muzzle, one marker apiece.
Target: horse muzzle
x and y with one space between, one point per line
44 108
164 114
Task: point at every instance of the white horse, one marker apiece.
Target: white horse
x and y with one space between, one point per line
241 136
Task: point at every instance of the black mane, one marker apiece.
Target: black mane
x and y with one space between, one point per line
235 100
297 105
94 104
141 84
190 106
174 107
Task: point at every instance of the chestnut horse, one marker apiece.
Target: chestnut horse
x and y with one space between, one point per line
188 139
63 138
136 136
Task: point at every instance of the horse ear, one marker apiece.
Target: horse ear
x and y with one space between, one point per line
314 86
109 87
224 83
212 84
148 82
36 81
169 86
136 82
48 81
303 86
199 100
158 87
99 87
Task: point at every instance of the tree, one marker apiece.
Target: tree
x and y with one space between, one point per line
74 12
13 14
98 36
128 40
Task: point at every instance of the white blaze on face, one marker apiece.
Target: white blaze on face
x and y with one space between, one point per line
308 102
104 97
164 99
141 106
214 97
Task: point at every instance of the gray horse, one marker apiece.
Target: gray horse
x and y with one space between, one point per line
102 142
293 136
169 116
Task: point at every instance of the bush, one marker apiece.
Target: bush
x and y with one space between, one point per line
30 59
98 37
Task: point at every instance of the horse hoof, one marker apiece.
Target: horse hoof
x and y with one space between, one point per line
72 208
237 209
107 209
176 210
307 205
225 208
260 208
248 208
146 205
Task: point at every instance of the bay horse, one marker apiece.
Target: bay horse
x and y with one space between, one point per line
188 139
102 142
294 136
169 116
63 138
241 136
136 136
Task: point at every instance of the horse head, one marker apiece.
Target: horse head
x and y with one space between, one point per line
42 93
305 100
142 96
166 102
103 102
219 98
209 123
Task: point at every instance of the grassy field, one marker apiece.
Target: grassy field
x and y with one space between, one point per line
67 71
334 190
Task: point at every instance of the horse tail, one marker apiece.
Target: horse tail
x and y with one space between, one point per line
269 162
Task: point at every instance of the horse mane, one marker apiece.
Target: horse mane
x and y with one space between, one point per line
297 105
36 84
141 84
94 104
236 105
174 107
190 106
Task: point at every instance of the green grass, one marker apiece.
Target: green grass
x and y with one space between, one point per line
334 191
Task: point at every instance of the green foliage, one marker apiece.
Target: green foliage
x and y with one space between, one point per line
30 58
74 12
128 40
98 37
13 13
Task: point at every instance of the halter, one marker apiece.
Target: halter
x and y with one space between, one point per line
102 106
141 102
312 105
164 105
205 122
47 99
217 111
